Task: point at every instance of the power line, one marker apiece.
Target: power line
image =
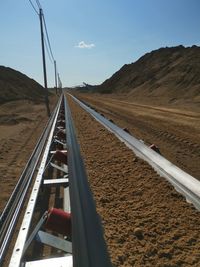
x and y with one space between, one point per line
47 49
46 45
34 7
49 44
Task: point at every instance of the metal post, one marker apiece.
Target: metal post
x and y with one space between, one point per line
55 77
44 64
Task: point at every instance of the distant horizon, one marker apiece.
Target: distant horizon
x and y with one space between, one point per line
92 40
76 85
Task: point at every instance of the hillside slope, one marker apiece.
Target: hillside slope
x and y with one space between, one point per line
170 73
16 86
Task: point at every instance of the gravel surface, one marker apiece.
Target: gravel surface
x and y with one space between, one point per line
146 222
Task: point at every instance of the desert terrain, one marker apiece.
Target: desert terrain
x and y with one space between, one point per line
21 124
23 117
169 75
146 222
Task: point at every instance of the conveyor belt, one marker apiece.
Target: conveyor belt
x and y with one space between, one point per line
61 171
184 183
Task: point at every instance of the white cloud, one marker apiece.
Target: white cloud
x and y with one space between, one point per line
82 44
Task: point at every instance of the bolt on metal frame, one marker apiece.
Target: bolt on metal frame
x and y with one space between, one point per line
25 226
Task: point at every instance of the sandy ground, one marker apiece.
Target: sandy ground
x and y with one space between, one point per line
175 130
146 222
21 124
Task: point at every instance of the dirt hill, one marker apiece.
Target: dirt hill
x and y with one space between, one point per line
170 74
16 86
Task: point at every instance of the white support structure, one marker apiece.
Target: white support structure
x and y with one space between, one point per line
64 168
54 241
66 200
53 262
56 182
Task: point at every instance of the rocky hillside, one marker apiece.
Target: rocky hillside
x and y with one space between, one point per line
15 86
170 73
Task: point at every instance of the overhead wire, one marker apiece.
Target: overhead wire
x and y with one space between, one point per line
47 49
46 31
34 7
47 43
47 35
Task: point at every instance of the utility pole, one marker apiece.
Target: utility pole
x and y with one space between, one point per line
55 77
59 83
44 63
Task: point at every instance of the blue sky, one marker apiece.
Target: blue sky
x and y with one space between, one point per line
92 39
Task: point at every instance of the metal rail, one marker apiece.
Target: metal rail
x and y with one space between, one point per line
89 248
184 183
12 210
25 226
